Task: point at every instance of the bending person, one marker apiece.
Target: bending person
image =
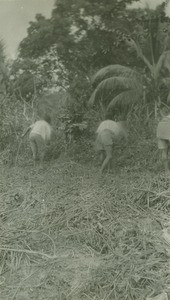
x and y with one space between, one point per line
109 133
40 136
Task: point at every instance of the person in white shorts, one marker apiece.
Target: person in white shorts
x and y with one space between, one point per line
163 137
109 133
40 135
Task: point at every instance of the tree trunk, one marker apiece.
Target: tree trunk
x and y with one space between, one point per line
103 111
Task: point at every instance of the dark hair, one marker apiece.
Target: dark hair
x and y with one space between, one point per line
108 115
47 118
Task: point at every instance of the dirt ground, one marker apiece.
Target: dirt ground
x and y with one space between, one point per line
69 233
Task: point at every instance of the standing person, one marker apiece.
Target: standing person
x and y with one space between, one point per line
40 136
163 137
109 133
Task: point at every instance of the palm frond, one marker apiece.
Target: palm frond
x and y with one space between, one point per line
163 61
159 65
92 99
167 60
115 70
139 52
118 82
125 99
106 88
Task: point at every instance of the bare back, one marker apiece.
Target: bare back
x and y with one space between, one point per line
41 128
119 129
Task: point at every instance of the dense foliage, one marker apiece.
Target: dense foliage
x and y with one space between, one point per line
67 231
89 35
97 50
120 87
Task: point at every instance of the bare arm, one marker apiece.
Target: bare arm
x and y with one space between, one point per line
53 135
52 138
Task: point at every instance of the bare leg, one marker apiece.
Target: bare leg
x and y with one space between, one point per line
108 158
165 160
42 157
102 156
110 164
41 150
34 150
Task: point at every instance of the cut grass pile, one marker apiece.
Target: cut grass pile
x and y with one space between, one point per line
68 233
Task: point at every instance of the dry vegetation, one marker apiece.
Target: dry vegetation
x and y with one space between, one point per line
68 233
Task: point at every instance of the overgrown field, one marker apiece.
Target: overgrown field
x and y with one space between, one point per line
69 233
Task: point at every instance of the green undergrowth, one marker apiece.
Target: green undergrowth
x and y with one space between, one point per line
69 233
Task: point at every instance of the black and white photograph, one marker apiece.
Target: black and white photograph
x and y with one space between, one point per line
84 149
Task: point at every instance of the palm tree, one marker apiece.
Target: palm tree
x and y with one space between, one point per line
154 78
121 87
116 87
